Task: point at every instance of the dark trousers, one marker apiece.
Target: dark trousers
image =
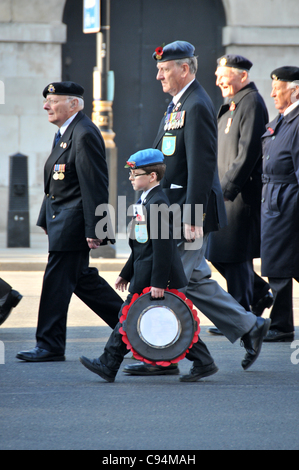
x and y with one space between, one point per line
116 349
4 288
67 273
282 310
243 283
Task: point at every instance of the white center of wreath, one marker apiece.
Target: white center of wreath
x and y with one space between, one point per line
159 327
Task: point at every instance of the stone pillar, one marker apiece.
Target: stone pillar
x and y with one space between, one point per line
31 34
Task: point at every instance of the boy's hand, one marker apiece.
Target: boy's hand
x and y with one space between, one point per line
121 284
192 232
157 293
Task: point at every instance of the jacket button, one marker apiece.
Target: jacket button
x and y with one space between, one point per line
53 216
53 197
263 200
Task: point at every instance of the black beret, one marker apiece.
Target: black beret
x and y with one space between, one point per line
174 51
64 88
235 61
286 74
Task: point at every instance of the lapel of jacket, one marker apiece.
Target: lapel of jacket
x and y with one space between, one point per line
194 85
59 149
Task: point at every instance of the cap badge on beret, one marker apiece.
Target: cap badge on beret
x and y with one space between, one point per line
223 62
51 89
131 164
159 52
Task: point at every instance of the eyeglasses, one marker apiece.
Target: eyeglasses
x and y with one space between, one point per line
50 101
133 176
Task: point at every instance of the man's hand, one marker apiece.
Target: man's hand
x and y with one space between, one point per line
121 284
93 243
192 232
157 293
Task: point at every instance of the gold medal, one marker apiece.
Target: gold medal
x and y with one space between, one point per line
61 176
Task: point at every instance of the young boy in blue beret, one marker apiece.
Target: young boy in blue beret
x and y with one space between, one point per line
154 261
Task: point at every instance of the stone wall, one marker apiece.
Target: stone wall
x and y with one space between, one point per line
31 35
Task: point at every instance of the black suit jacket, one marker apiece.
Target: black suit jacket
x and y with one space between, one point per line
68 209
192 163
155 262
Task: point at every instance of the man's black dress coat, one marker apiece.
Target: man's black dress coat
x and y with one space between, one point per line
240 169
193 164
156 262
68 209
280 198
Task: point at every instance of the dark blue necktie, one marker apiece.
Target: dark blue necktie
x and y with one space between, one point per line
169 109
57 137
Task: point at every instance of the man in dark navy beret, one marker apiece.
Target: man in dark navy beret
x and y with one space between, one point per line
280 206
187 137
75 184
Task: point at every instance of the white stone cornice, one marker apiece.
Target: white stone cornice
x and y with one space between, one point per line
260 36
33 32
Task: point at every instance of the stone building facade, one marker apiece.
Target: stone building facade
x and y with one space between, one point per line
32 33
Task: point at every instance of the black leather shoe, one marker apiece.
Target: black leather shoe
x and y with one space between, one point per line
97 367
39 355
264 302
199 372
141 368
12 301
276 336
253 341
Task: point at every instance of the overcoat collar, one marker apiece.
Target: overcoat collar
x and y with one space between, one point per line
237 98
59 149
194 85
272 126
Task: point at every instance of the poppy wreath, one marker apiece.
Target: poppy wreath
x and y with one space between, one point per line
125 339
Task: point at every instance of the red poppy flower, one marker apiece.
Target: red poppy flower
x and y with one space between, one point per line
159 52
270 130
232 106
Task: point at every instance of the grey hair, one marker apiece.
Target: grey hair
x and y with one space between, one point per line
80 101
239 71
191 61
293 84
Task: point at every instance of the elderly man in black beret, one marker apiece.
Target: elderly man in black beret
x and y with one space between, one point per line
241 123
76 182
280 201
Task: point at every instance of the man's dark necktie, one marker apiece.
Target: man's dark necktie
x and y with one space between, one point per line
169 109
57 137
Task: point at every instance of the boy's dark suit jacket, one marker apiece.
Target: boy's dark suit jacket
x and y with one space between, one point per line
68 209
155 263
193 164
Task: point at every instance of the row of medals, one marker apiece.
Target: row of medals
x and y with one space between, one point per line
59 172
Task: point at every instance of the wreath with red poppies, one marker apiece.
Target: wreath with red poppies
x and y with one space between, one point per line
136 355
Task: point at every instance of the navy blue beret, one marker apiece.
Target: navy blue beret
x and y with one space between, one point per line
174 51
235 61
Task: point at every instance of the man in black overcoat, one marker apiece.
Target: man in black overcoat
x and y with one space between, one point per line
187 136
76 182
280 202
241 123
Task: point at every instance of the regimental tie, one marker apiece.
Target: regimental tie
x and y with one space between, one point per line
57 137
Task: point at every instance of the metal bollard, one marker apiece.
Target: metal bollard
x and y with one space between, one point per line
18 234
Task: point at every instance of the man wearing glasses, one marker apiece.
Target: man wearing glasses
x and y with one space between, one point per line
76 182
